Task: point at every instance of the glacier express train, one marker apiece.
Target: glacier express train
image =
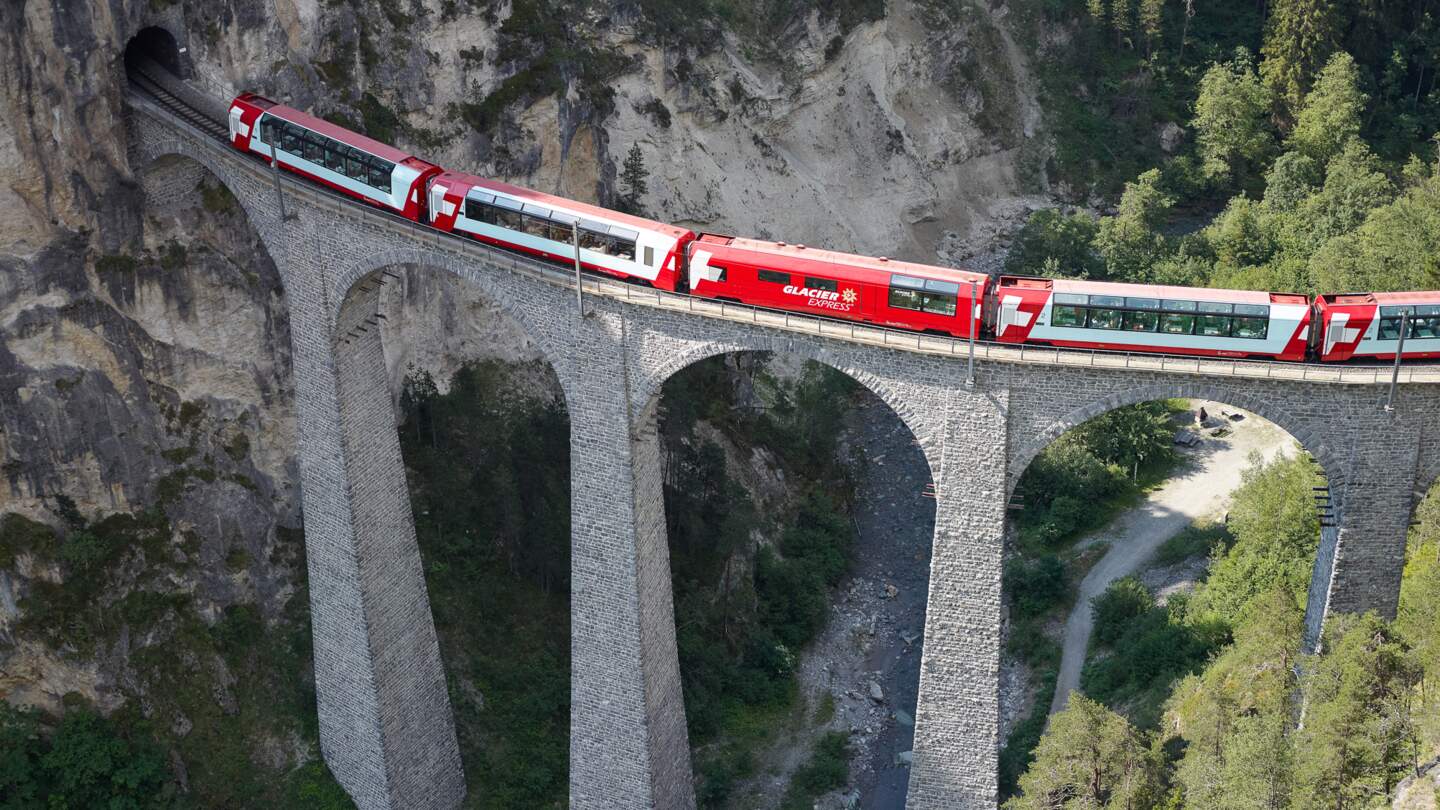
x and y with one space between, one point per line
826 283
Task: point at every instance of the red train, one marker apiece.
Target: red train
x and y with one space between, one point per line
881 291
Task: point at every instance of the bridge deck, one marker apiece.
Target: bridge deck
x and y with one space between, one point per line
181 116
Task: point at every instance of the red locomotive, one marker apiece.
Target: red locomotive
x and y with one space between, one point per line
880 291
837 285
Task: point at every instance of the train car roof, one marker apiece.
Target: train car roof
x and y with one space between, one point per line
1218 295
316 124
1391 298
551 201
791 258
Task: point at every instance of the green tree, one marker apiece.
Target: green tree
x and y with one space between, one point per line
1231 123
1359 736
1332 112
1396 248
1089 757
1418 617
634 182
1272 517
1234 717
1242 235
1355 186
1300 36
1052 244
1130 242
1132 436
1292 178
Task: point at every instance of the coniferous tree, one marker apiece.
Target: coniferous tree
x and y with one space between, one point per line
1234 716
1300 36
1330 116
1231 126
1359 736
1090 757
633 182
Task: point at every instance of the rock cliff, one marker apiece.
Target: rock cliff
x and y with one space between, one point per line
144 346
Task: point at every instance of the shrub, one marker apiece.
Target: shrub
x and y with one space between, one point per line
1035 586
1124 601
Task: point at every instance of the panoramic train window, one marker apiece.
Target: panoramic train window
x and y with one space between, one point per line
923 295
1424 322
1213 326
593 238
1105 311
826 284
556 226
1068 310
1168 316
327 153
774 277
1176 323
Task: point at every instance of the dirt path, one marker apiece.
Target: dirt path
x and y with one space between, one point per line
1201 489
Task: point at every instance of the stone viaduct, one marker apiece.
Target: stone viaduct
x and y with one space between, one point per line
385 719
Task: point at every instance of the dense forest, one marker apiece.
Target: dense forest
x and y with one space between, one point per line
1304 163
1199 703
488 464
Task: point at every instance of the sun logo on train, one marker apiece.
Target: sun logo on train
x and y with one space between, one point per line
848 296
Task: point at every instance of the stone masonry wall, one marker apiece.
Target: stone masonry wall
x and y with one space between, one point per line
386 727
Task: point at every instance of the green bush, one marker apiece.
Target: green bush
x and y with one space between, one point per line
1124 601
1055 245
827 770
87 762
1196 540
1035 587
1147 653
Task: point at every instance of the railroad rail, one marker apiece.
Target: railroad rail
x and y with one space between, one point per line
213 136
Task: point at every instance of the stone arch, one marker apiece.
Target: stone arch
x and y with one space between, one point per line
1021 456
842 362
346 285
927 431
151 153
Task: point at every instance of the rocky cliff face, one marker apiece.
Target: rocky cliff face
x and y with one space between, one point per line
144 348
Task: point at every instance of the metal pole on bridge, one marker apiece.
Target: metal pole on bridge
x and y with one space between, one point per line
275 174
970 372
579 292
1395 372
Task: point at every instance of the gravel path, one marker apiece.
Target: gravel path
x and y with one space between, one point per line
1201 489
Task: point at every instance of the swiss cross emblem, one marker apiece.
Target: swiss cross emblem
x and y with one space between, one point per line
848 296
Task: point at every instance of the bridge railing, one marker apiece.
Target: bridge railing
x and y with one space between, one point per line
784 320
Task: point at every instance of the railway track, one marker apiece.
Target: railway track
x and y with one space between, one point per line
920 342
172 103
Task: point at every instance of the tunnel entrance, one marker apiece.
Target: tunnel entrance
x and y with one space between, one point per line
154 45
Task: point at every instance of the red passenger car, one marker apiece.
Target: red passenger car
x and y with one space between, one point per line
1367 325
346 161
837 285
